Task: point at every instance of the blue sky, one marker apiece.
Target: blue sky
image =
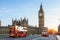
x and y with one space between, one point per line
29 8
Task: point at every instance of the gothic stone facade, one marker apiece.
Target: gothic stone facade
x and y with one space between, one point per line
59 29
41 19
24 23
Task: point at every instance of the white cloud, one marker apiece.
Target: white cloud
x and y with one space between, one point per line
6 10
3 10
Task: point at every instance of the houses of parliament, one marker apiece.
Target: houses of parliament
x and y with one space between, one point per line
24 22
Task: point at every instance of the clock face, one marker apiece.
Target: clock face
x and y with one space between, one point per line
40 14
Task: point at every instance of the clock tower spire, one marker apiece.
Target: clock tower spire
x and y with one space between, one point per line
41 19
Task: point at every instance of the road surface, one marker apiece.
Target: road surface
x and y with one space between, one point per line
31 37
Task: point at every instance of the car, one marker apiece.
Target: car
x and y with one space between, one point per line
45 35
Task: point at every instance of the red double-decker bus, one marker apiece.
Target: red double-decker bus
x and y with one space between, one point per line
17 31
45 32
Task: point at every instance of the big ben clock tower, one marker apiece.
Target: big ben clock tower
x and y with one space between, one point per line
41 19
